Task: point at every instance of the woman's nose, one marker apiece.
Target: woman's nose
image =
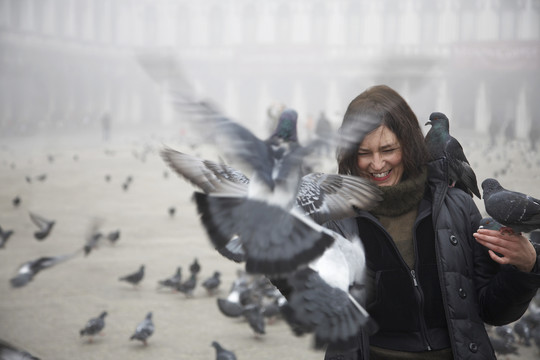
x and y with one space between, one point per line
377 161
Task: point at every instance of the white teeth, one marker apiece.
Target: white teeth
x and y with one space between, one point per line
381 175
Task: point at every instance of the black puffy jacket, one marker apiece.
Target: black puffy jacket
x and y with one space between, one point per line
473 288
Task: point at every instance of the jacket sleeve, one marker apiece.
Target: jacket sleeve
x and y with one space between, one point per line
504 293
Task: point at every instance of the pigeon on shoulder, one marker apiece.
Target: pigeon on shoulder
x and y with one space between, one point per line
441 144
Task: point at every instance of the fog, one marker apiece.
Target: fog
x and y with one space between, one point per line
64 64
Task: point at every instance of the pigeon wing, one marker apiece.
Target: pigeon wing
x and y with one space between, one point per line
327 197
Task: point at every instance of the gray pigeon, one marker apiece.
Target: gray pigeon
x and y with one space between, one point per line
134 278
441 144
212 283
513 209
188 286
113 236
318 198
45 226
232 306
4 236
195 267
326 297
29 269
490 224
222 353
94 326
173 281
255 318
523 331
144 330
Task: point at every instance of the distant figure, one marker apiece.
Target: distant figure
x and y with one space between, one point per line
106 126
323 129
273 112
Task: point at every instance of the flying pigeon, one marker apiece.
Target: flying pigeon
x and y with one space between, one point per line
4 236
29 269
441 144
222 353
321 197
514 210
144 330
94 326
212 283
45 226
173 281
326 296
188 286
135 277
10 352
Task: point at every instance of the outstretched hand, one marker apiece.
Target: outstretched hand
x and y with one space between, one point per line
511 248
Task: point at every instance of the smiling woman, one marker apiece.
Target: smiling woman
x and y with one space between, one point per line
428 272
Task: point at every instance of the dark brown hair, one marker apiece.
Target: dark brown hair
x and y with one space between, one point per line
384 103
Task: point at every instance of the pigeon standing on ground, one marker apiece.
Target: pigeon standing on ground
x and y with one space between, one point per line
188 286
144 330
94 326
172 211
195 267
29 269
514 210
134 278
222 353
16 201
255 318
502 347
113 236
441 144
4 236
212 283
45 226
523 331
173 281
232 305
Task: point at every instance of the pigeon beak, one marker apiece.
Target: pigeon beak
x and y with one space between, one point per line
428 123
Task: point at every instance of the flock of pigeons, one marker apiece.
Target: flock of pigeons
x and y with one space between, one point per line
269 217
272 219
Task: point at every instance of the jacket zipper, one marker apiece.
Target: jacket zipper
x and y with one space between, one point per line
419 292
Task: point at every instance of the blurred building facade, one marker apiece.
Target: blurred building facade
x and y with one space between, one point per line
64 63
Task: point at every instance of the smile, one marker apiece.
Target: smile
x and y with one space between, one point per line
381 176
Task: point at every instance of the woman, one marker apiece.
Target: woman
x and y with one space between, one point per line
434 285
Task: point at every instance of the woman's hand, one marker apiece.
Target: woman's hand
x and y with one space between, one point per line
515 249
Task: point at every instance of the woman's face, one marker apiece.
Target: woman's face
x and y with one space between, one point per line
380 158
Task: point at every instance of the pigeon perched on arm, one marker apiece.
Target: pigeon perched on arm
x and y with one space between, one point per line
222 353
144 330
441 144
134 278
45 226
94 326
516 211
